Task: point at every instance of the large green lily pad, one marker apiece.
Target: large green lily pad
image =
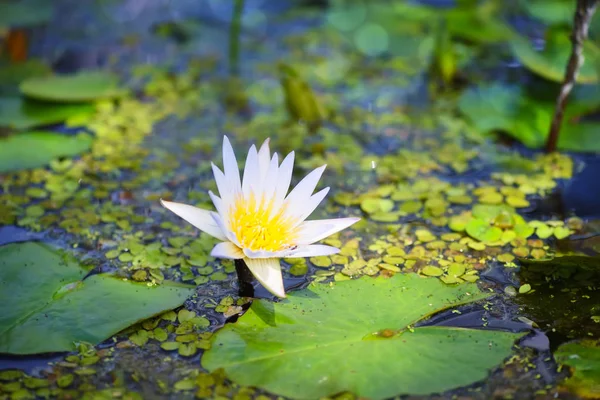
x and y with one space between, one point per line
511 110
358 336
36 149
83 86
584 360
45 306
17 113
552 61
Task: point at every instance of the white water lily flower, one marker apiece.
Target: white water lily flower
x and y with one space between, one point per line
255 219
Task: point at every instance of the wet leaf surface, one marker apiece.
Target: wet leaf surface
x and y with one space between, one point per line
36 149
80 87
289 348
583 359
46 305
20 114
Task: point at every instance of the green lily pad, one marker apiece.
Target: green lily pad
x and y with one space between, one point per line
47 304
483 231
25 12
80 87
17 113
508 109
322 341
584 360
36 149
12 75
551 62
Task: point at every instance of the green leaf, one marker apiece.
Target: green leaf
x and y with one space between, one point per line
326 340
510 110
25 13
46 307
83 86
36 149
551 62
20 114
12 75
482 231
584 360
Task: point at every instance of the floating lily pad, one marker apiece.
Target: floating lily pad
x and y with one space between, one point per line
322 341
83 86
47 304
12 75
483 231
18 113
584 360
25 12
36 149
508 109
551 62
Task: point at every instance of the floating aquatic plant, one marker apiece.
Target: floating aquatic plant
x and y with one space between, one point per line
255 219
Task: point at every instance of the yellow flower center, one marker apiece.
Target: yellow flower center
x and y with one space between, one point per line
258 227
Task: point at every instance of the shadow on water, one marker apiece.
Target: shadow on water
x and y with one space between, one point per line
577 196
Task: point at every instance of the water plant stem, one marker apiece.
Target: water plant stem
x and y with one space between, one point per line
245 279
234 37
581 22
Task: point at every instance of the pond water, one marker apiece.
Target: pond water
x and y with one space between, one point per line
400 110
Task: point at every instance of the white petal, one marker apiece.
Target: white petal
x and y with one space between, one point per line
264 155
284 178
268 272
313 250
269 184
201 219
313 231
222 219
230 167
304 190
221 181
227 250
303 210
251 171
219 205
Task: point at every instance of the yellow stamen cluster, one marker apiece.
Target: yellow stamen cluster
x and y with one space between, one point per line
258 227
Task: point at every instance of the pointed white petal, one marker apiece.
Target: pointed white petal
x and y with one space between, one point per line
284 178
269 184
313 231
313 250
229 235
227 250
303 210
222 184
201 219
251 171
304 190
220 206
230 167
264 156
268 272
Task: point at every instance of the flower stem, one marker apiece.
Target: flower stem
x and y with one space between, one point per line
245 278
581 22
